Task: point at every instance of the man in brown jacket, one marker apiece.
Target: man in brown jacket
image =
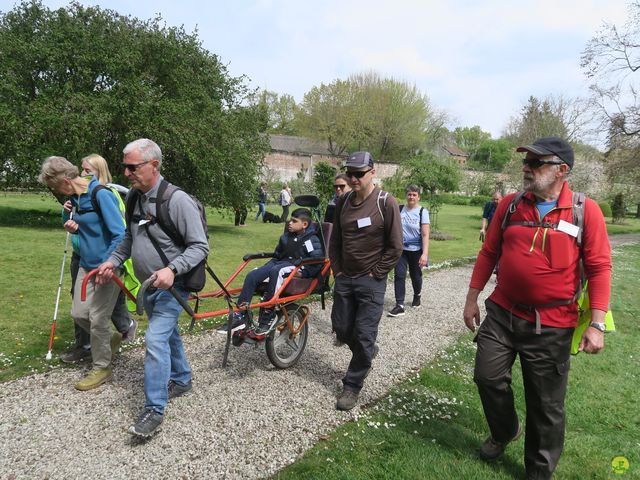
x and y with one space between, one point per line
365 245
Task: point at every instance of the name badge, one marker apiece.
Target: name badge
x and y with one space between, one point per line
568 228
309 246
364 222
143 221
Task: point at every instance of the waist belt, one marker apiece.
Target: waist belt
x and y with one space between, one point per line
534 308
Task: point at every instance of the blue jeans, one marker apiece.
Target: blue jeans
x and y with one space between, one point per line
261 210
165 358
409 260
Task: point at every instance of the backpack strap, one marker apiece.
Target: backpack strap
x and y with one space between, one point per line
382 196
578 199
165 192
512 208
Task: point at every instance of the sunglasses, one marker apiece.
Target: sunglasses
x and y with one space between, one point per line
339 187
358 174
537 163
132 167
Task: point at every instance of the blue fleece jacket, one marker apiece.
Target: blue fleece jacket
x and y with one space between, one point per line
98 234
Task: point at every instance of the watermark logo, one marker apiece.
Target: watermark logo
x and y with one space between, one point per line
619 465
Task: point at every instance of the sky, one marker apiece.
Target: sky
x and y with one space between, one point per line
477 60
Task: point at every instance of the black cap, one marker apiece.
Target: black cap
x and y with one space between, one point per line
359 160
551 146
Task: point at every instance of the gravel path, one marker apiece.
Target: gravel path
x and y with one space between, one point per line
246 421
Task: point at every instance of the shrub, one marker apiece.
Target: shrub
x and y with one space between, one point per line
617 208
605 208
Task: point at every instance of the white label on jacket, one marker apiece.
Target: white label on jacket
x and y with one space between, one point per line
143 221
364 222
309 246
568 228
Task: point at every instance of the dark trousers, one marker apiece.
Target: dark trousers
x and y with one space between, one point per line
356 312
544 360
119 317
240 216
409 260
285 213
270 270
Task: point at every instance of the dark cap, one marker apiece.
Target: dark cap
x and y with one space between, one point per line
551 146
359 160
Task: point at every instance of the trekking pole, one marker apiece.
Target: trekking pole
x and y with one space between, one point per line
55 311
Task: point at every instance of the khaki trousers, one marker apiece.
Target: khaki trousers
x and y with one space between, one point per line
94 316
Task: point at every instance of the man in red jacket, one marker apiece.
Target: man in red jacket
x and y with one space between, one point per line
532 311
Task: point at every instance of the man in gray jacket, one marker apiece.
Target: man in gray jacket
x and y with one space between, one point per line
167 373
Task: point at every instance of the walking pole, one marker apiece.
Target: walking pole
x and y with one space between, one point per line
55 312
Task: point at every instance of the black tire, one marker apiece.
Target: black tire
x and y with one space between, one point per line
283 348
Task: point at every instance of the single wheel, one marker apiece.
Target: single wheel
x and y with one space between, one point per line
285 348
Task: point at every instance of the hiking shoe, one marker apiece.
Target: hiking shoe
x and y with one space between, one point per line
238 323
347 400
148 424
396 311
116 341
177 390
77 354
492 450
94 379
130 335
416 301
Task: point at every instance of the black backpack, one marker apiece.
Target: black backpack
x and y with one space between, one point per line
195 278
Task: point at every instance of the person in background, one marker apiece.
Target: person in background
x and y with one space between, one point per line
340 187
99 233
415 250
285 201
95 165
487 213
262 200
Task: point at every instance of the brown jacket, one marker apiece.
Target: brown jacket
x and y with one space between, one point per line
363 241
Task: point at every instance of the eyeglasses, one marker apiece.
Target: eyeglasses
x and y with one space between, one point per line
132 167
339 187
358 174
537 163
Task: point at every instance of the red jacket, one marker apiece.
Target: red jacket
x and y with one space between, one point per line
540 265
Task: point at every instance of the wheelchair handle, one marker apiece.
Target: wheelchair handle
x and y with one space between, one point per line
147 283
253 256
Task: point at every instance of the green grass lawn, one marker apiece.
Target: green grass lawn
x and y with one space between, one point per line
32 242
431 426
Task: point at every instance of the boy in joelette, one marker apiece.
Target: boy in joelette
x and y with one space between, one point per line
301 241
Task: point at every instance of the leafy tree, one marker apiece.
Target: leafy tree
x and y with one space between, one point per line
327 113
78 80
553 115
617 208
469 139
323 179
493 154
389 118
433 174
279 109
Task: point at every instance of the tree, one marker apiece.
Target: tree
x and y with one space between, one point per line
493 154
327 113
610 61
389 118
551 116
279 109
469 139
323 179
80 79
617 208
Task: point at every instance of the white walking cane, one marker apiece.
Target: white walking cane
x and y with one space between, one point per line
55 312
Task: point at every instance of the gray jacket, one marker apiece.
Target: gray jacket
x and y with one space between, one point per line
184 214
